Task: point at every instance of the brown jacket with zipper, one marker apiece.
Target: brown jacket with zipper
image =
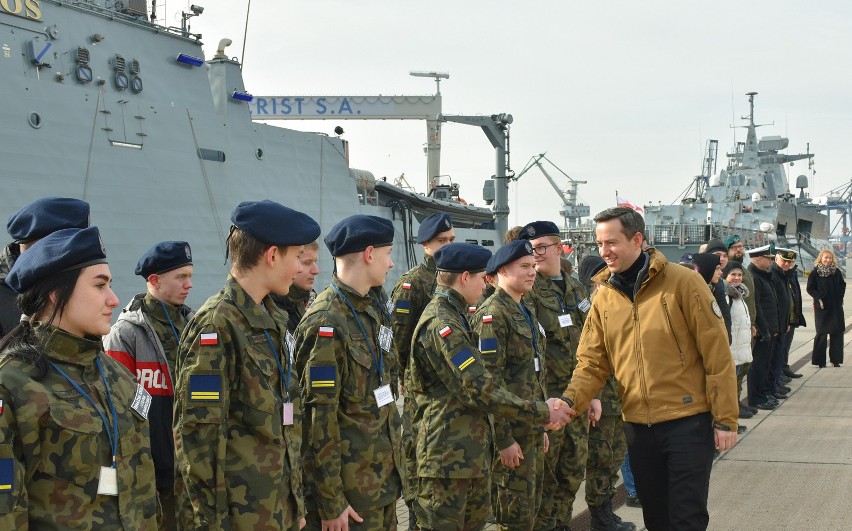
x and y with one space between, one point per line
668 348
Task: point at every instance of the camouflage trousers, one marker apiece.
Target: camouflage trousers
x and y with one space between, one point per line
380 519
564 468
741 374
516 494
607 448
447 504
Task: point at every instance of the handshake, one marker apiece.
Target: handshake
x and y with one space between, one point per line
560 414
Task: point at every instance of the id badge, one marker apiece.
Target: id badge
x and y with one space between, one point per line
384 396
535 363
565 320
584 305
141 402
385 338
108 482
541 329
288 414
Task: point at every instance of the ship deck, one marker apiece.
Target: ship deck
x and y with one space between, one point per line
792 468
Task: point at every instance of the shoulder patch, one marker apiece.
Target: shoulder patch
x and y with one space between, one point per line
1 407
323 376
205 387
488 346
7 474
326 331
406 285
716 309
445 331
487 318
471 309
403 307
210 338
463 359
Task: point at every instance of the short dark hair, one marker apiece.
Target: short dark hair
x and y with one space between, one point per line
631 221
448 278
245 250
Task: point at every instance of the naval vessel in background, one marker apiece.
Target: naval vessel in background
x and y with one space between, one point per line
102 103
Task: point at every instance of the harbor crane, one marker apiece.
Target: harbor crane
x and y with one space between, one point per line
571 211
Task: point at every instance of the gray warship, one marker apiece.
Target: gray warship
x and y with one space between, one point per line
104 104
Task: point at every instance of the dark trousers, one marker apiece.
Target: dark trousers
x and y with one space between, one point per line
834 341
671 463
776 363
757 375
787 344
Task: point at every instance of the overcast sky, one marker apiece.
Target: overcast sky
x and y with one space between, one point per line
622 94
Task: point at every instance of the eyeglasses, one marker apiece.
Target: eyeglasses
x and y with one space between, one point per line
542 249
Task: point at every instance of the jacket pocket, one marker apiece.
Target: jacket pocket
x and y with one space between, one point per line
258 378
356 380
74 446
673 333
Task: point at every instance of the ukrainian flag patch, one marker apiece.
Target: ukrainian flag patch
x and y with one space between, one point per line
463 359
7 474
323 376
488 346
403 307
205 387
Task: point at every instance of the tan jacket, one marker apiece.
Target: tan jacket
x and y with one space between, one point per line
668 349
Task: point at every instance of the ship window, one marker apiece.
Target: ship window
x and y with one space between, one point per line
474 242
259 154
488 243
34 119
211 154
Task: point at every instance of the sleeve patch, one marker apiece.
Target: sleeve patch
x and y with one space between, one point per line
488 346
445 331
487 318
471 309
210 339
403 307
7 474
463 359
205 387
326 331
406 285
323 376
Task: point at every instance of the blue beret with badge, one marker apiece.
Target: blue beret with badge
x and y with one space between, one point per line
433 226
275 224
356 233
60 251
461 257
507 254
537 229
49 214
164 257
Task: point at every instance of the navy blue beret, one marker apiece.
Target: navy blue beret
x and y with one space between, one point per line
57 252
460 257
508 253
356 233
537 229
164 257
433 226
48 214
275 224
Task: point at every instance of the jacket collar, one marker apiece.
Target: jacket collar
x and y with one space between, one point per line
655 264
429 262
63 346
361 303
297 294
257 316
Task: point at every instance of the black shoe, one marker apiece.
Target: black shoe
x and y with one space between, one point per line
603 519
772 400
780 396
788 372
836 364
745 413
633 501
784 379
766 406
783 389
752 409
741 428
821 366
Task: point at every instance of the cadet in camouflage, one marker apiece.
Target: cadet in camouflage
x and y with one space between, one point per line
512 344
454 395
607 448
301 293
561 303
74 446
344 354
237 400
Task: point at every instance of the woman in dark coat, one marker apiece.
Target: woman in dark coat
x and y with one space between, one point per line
827 287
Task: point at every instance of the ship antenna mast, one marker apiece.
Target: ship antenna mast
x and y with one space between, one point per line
245 36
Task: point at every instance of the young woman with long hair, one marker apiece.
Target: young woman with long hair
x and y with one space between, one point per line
827 286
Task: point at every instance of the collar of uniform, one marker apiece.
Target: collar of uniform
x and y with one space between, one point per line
153 307
454 297
429 262
361 303
63 346
256 316
297 294
501 295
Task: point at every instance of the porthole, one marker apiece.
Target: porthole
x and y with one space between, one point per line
34 119
259 154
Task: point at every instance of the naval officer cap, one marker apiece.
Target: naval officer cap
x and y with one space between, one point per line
507 254
461 257
60 251
275 224
537 229
356 233
786 254
48 214
765 250
433 226
163 257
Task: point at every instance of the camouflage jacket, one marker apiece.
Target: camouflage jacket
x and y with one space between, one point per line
294 303
238 465
454 394
53 443
385 306
550 303
10 313
352 450
410 296
506 344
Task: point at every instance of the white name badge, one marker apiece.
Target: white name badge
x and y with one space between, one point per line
141 402
584 305
291 345
108 482
565 320
541 329
288 414
535 363
389 306
385 338
384 396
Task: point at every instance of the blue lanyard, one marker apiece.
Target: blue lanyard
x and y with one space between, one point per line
565 307
528 317
113 437
463 321
174 330
363 332
382 306
285 379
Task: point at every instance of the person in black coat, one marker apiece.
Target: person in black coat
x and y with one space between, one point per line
767 324
779 269
709 267
827 287
797 317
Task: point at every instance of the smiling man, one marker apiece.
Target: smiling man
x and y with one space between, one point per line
656 326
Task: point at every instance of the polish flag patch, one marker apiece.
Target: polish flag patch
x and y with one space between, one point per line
471 309
210 339
445 331
406 285
487 318
326 331
1 407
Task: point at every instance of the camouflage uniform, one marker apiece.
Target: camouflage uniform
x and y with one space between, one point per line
295 303
53 444
10 313
506 342
351 453
454 394
607 448
565 463
238 465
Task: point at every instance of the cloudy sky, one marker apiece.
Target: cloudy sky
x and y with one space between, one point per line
622 94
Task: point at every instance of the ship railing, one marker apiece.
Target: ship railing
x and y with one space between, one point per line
691 234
